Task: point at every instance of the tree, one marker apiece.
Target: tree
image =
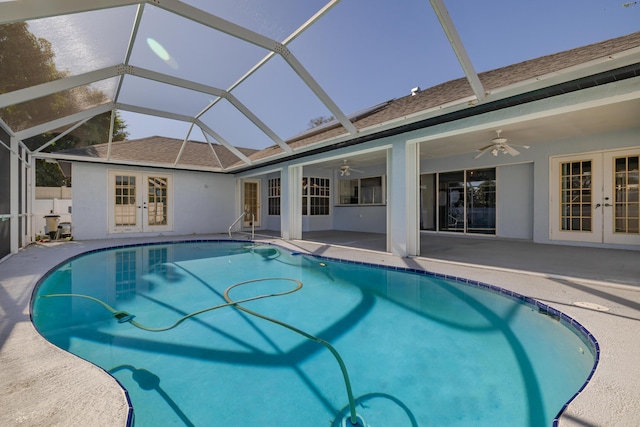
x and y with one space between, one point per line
314 123
26 61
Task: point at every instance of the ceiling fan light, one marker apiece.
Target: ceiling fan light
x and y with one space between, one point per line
494 152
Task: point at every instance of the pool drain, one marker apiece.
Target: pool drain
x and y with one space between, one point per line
346 421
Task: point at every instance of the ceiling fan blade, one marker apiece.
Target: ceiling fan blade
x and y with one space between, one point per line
509 149
356 170
486 147
482 152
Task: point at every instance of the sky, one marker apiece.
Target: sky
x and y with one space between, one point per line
362 52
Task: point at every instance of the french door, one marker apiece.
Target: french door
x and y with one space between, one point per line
251 203
140 202
594 197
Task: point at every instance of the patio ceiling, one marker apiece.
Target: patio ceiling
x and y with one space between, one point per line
254 74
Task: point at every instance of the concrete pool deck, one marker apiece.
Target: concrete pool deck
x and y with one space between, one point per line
41 385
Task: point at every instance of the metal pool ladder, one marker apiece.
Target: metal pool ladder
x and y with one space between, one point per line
253 221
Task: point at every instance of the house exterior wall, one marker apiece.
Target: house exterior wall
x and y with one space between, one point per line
370 219
514 201
542 173
203 203
523 185
523 182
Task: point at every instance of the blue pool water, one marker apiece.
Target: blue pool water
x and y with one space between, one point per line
419 350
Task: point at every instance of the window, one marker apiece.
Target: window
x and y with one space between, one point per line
315 196
274 196
364 191
157 200
125 212
575 207
125 275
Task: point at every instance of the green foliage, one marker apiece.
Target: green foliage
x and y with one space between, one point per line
50 175
313 123
27 61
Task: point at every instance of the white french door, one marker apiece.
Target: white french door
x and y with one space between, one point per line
139 202
594 197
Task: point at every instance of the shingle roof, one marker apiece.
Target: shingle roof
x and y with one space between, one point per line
158 149
163 150
459 89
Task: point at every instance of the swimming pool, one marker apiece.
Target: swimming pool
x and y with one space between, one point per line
419 350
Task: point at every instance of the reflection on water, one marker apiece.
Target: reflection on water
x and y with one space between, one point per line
419 350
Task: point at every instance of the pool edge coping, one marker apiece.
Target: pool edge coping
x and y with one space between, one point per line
545 309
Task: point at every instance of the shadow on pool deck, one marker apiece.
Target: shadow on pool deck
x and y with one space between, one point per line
610 265
41 385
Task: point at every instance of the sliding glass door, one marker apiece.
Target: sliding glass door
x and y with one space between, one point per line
459 201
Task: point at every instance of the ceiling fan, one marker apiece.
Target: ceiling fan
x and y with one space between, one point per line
346 169
499 145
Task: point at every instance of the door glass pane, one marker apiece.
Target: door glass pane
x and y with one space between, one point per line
250 202
626 219
428 202
481 201
157 200
349 191
126 277
125 213
575 196
451 202
371 190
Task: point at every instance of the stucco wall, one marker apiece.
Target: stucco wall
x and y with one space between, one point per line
523 182
514 188
202 202
372 219
581 144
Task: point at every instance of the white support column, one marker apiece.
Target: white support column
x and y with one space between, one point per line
31 197
14 210
25 172
403 234
291 214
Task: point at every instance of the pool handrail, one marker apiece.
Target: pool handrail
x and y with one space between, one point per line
253 222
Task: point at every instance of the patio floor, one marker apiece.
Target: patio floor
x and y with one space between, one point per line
41 385
607 265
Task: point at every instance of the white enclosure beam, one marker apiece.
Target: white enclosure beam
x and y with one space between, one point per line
286 41
44 89
64 121
208 139
212 21
458 47
14 197
256 121
153 112
63 134
317 90
174 81
24 10
224 142
130 44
